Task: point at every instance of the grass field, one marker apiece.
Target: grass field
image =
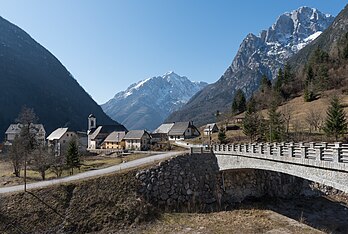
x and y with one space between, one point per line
7 177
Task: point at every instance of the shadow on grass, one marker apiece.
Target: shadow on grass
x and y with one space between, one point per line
318 212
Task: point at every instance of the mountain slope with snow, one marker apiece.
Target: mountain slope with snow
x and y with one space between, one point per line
257 55
146 104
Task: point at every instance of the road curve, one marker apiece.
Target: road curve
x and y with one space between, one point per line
89 174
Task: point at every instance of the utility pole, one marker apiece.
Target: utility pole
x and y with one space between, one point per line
209 138
25 172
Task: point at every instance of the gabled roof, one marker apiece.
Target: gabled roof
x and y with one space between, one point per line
164 128
135 134
57 134
210 126
106 130
16 128
115 137
179 128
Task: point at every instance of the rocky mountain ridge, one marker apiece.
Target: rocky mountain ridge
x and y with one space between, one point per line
257 55
145 104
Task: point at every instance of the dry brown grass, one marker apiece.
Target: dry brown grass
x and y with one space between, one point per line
237 221
88 163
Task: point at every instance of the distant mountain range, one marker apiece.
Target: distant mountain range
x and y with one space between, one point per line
146 104
257 55
31 76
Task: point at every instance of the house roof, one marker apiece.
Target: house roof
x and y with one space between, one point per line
103 130
16 128
164 128
57 134
179 128
210 126
135 134
115 137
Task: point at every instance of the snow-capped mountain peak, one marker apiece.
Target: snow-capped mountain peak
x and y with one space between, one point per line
257 55
159 95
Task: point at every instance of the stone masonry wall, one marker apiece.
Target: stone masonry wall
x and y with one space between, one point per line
194 183
190 181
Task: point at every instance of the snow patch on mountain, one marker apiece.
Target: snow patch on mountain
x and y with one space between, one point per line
159 96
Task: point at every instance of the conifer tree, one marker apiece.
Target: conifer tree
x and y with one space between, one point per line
239 102
73 159
222 136
265 84
336 122
275 124
279 81
251 120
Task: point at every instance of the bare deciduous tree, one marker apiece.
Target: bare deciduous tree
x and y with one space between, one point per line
41 160
16 156
287 112
314 119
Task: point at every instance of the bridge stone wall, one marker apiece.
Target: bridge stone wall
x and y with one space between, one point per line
240 184
190 181
195 183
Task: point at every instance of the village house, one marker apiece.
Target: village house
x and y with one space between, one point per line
60 138
97 134
14 130
161 133
137 140
182 131
210 129
115 140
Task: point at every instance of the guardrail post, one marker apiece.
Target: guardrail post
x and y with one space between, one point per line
337 149
239 148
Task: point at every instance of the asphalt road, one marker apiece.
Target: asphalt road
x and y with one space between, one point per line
89 174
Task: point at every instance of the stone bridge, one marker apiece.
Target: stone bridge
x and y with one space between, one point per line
323 163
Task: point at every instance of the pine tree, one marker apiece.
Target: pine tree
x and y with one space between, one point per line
309 92
73 159
265 84
239 102
251 121
279 81
275 124
222 136
288 75
336 122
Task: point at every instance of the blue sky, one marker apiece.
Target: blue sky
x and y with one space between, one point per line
109 44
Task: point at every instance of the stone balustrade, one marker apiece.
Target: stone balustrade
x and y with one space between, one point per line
330 156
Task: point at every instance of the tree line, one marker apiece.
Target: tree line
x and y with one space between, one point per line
276 127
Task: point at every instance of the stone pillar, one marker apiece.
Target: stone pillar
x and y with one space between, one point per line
239 148
319 153
291 150
337 149
311 145
261 151
280 150
253 148
269 148
304 151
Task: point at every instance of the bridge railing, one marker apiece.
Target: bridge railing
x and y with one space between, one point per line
318 151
